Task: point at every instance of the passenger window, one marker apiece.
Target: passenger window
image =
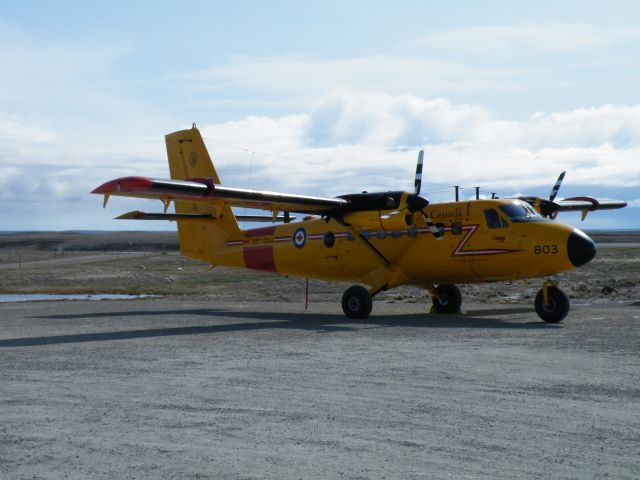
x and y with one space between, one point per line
493 219
329 239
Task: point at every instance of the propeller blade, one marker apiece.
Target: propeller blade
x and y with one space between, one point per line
556 187
435 230
418 180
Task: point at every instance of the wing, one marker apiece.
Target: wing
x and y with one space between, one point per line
588 203
549 208
204 190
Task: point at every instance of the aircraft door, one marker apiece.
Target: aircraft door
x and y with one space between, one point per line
495 237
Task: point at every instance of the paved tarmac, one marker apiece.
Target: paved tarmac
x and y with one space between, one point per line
176 388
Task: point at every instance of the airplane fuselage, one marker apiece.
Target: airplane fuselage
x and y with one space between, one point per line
480 243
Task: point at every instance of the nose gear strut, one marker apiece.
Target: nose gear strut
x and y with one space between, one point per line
551 303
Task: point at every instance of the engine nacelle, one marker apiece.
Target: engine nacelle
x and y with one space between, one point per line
381 220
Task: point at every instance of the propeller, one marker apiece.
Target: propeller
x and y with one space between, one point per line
552 208
556 187
416 203
546 208
418 180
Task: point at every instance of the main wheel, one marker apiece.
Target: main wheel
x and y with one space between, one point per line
356 302
556 309
449 299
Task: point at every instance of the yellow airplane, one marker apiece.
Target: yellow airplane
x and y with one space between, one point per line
382 240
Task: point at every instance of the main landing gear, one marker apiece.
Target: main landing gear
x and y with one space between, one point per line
357 302
446 299
551 303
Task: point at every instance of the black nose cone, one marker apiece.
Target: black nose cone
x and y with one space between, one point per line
580 248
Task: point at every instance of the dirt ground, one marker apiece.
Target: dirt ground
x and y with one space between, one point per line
148 263
178 388
226 375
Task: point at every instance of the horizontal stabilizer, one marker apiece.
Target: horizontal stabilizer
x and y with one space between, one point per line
138 215
263 218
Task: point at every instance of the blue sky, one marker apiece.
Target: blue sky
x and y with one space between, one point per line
318 97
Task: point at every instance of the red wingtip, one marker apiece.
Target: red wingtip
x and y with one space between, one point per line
125 184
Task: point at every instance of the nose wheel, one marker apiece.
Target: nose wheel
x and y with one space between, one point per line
552 304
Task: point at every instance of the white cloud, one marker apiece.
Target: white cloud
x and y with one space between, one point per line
313 76
465 144
586 127
464 61
16 129
72 88
347 117
529 39
345 142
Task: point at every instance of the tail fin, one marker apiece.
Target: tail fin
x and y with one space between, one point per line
188 158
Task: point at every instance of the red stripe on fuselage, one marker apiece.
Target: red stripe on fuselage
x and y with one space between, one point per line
259 258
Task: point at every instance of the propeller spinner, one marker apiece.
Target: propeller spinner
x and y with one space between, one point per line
416 203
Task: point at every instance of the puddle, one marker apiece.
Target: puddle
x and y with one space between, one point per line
39 297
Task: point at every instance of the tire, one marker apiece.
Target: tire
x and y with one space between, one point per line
558 307
356 302
449 299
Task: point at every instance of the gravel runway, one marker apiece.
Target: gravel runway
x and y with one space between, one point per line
177 388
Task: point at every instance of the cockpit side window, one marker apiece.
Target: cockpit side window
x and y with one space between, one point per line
521 212
493 219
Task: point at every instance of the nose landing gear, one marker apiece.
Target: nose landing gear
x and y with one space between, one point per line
551 303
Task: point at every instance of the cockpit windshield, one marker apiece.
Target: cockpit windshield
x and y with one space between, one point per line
519 211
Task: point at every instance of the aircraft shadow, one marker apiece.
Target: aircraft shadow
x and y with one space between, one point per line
318 323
